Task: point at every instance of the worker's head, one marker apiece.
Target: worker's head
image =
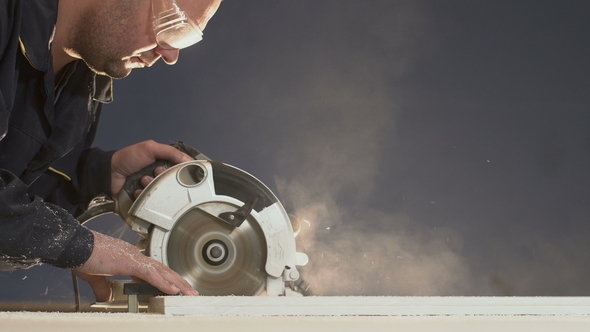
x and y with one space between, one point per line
115 36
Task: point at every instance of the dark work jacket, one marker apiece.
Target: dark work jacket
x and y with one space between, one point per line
48 170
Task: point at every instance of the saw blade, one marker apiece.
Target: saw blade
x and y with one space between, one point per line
217 258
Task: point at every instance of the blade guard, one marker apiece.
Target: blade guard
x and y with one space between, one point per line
222 191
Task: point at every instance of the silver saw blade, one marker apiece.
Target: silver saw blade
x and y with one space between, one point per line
217 258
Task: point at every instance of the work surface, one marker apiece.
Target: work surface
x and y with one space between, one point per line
65 322
324 314
368 306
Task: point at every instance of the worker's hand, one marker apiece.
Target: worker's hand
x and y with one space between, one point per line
115 257
99 284
135 157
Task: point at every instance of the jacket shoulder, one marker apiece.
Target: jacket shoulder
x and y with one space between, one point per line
10 11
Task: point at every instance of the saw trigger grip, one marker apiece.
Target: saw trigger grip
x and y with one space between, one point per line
133 181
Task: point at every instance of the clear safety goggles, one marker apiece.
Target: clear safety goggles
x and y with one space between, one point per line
172 26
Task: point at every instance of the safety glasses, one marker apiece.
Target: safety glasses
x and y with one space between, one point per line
172 26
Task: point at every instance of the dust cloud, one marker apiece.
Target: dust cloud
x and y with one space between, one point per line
377 254
342 124
355 249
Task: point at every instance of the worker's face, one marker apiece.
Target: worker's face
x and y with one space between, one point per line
117 35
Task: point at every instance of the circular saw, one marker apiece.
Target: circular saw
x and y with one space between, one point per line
217 226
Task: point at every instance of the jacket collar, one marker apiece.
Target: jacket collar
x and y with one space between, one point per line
38 27
37 32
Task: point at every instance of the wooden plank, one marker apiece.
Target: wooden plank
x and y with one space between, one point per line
367 306
102 322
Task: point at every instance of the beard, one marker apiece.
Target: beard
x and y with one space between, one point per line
102 38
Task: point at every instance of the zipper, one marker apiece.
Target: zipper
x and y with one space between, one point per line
24 51
60 173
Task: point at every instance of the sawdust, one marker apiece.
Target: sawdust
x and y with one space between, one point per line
392 257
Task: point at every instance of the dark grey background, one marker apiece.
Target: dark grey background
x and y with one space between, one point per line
433 147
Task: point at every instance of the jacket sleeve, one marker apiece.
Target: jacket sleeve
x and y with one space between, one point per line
94 173
94 167
33 229
5 8
30 228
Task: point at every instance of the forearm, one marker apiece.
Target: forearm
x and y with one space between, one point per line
33 229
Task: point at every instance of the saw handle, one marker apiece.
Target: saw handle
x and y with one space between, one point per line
133 181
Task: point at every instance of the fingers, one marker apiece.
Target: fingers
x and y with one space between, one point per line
159 170
172 283
131 159
138 281
167 280
147 179
177 281
115 257
165 152
99 284
144 182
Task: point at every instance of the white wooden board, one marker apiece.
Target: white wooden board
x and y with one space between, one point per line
367 306
102 322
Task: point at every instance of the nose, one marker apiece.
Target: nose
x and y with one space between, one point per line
170 56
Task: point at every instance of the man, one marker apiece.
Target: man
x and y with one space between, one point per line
57 62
